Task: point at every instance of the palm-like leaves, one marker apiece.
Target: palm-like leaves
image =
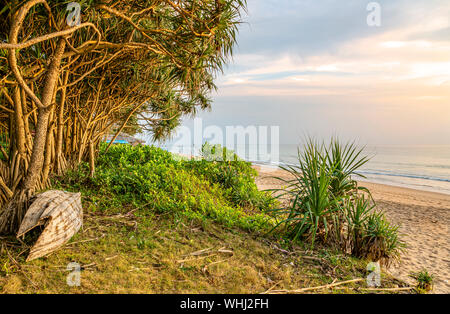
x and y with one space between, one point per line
311 203
343 161
324 198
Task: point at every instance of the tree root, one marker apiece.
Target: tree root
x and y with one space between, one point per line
13 213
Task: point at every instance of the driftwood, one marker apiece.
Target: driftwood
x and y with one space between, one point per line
61 214
313 288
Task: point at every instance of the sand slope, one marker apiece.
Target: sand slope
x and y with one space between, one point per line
424 220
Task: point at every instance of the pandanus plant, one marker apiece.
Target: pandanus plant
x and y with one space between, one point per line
324 201
311 204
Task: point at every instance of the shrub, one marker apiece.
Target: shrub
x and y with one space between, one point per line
380 239
237 177
149 178
356 213
343 161
424 281
310 211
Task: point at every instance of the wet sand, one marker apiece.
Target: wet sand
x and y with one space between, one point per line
424 223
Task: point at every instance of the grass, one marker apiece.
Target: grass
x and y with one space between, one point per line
154 254
157 224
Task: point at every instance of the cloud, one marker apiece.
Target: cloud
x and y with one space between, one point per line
316 67
335 53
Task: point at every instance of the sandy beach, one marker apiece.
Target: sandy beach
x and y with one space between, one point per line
423 217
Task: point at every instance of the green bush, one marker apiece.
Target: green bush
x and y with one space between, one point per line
236 176
326 203
343 161
370 235
150 178
424 281
309 213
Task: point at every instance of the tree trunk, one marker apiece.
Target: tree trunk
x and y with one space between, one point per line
11 217
37 156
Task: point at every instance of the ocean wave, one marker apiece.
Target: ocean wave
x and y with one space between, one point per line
412 176
367 172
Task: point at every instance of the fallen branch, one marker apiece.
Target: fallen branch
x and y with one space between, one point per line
137 269
195 259
312 258
204 251
316 288
214 263
223 250
196 253
388 289
85 267
87 240
267 291
110 258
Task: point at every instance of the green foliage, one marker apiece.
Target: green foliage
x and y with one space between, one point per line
370 235
343 161
356 215
222 166
381 239
325 202
211 152
170 53
309 212
149 178
424 281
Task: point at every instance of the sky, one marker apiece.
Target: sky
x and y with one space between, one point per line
318 68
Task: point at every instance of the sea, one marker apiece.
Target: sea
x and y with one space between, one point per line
420 167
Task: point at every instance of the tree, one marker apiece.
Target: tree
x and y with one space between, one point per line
128 64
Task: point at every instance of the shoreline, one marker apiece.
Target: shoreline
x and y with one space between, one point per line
422 216
269 170
368 180
275 167
403 186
